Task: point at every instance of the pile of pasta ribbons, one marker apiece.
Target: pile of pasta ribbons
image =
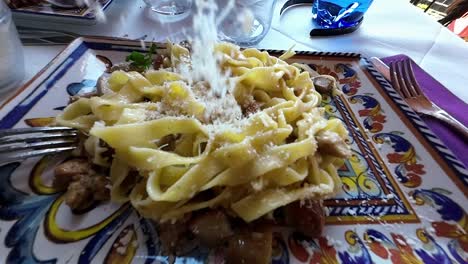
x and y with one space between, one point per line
157 124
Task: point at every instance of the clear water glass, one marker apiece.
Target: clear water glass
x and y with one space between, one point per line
247 23
11 52
339 13
170 7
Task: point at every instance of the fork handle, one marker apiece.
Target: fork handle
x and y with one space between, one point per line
451 121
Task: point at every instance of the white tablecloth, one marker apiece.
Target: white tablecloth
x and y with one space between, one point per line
389 28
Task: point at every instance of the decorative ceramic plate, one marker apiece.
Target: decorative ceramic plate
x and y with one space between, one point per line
403 198
46 12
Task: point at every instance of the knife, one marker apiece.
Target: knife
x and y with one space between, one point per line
382 68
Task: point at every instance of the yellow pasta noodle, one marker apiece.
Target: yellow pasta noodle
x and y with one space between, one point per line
250 151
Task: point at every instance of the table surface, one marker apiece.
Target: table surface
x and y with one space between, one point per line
389 28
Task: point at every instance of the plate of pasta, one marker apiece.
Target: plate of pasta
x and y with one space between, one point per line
277 157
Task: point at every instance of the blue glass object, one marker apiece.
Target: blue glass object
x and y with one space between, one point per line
339 13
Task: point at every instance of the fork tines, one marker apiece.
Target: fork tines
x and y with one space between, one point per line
405 83
403 79
21 143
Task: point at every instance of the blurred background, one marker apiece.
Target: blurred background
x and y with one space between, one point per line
451 13
435 8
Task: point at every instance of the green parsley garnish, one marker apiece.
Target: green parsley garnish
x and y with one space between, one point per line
142 61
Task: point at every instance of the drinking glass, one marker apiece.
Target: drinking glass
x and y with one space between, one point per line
170 7
339 13
248 22
11 52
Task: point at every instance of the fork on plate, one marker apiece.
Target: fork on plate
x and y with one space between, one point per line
404 81
22 143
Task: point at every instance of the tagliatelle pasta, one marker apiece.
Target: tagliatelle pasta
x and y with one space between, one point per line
250 151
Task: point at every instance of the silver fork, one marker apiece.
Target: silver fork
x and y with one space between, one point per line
22 143
405 83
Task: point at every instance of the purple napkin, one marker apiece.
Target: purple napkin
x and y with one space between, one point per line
437 93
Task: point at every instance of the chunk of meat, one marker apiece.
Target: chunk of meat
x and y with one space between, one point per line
211 227
186 44
307 218
65 172
168 143
100 190
84 186
86 190
250 108
124 66
331 143
161 61
75 98
250 248
171 234
78 196
102 85
324 85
